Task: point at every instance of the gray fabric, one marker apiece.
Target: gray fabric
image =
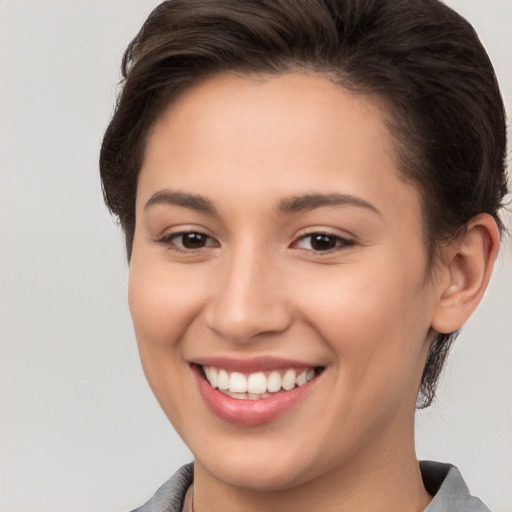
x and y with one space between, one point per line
441 480
451 492
171 495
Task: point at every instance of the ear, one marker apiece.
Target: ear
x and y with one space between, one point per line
466 268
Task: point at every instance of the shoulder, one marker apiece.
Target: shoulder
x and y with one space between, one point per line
445 483
170 496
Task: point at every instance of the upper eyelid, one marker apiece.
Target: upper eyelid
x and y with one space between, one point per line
171 231
325 231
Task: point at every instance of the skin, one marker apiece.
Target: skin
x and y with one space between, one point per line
364 310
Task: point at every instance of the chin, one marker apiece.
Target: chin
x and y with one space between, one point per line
263 475
262 466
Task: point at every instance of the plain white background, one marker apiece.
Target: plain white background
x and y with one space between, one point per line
80 430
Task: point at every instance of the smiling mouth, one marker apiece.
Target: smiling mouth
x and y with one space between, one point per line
257 385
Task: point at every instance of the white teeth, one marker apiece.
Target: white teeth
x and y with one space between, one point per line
212 377
246 396
301 378
288 381
237 383
274 382
257 383
238 396
254 386
222 380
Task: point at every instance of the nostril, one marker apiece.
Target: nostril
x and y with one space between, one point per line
248 328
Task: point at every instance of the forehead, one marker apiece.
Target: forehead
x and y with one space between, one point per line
291 108
273 135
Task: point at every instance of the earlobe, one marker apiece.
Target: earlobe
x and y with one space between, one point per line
467 266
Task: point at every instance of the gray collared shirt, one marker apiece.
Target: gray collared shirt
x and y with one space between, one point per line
450 493
443 481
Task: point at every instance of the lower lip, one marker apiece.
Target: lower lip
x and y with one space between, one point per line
250 412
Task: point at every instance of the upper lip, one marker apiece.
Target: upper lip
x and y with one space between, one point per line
251 365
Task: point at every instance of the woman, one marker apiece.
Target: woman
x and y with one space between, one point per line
310 195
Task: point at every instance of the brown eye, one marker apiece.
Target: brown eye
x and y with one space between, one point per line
192 240
188 241
322 242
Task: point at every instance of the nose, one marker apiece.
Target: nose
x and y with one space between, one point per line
249 299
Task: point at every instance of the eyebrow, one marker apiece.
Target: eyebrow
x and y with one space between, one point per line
293 204
191 201
309 202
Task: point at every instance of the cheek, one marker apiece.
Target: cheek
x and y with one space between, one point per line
162 300
373 317
163 303
375 327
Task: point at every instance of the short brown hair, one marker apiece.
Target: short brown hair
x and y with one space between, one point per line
420 58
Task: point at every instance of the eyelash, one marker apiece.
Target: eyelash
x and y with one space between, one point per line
169 241
339 241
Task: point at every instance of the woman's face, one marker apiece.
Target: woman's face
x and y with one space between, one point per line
277 246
